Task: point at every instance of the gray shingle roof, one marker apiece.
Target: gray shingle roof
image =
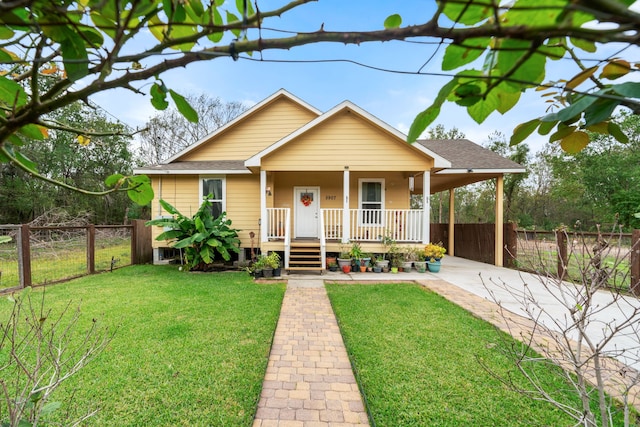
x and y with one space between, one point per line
464 154
199 166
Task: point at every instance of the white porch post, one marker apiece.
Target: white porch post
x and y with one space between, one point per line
499 221
426 207
346 223
452 220
263 207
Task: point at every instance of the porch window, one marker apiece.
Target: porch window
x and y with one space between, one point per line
371 201
213 190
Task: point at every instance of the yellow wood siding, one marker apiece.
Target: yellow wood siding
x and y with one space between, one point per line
253 134
347 140
180 191
243 206
242 202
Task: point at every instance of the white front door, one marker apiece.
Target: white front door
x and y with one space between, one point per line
307 212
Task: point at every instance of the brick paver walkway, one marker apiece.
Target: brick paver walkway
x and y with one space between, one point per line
309 380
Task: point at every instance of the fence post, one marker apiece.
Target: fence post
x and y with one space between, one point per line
91 249
510 243
134 242
635 262
24 258
563 257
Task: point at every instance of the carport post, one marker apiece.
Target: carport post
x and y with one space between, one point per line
499 231
426 206
452 219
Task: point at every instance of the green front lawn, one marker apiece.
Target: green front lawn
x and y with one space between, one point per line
190 349
416 358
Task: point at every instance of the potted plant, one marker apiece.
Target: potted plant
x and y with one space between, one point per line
258 266
370 260
433 253
355 252
375 261
395 256
397 260
420 264
272 265
409 255
387 243
331 259
333 266
251 269
365 259
344 259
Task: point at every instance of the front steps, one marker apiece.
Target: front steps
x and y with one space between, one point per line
305 256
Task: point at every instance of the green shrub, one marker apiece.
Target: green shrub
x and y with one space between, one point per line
201 236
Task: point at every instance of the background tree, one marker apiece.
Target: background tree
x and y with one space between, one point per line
610 174
599 185
442 198
100 43
512 182
169 132
63 158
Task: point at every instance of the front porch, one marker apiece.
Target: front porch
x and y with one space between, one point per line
362 225
337 228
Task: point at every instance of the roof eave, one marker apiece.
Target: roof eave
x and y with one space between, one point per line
191 172
479 171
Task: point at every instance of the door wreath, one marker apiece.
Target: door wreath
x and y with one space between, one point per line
306 198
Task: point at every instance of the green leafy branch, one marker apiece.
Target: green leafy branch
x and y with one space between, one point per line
513 65
94 41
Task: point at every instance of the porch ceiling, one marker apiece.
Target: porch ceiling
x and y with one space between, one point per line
448 181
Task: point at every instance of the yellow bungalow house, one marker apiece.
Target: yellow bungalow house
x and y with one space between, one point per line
306 183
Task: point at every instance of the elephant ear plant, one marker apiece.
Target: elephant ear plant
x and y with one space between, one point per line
202 236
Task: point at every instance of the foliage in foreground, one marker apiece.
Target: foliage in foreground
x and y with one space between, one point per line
191 349
416 358
39 350
101 44
583 322
201 236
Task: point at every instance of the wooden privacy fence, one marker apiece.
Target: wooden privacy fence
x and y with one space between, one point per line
477 241
39 255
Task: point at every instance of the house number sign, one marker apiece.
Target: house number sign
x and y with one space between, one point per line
330 197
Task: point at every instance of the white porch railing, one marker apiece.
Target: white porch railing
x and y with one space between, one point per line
369 225
279 228
277 222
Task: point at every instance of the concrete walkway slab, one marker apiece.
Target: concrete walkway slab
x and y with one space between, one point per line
309 381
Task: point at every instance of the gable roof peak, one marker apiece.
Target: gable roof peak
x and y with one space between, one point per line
255 161
281 93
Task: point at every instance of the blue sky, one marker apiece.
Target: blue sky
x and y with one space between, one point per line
394 98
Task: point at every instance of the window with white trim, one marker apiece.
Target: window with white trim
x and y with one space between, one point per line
371 201
213 190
